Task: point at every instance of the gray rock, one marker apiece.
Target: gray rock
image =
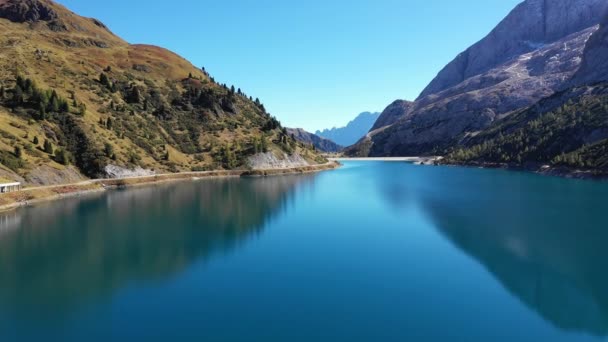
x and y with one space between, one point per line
531 24
594 67
266 161
115 171
392 113
531 54
26 11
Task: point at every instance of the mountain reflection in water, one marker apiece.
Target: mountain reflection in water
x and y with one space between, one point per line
543 238
75 250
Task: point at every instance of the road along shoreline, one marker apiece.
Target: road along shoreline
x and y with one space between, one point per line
34 195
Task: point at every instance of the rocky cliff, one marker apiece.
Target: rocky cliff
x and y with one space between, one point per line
531 54
594 66
531 24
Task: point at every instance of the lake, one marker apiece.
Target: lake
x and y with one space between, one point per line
373 251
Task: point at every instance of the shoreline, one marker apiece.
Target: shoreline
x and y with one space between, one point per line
534 168
543 170
421 160
32 196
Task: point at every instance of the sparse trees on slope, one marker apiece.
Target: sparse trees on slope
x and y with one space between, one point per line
48 147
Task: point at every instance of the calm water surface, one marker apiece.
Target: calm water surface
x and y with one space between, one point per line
371 252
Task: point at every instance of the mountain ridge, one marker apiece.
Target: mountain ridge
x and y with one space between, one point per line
353 131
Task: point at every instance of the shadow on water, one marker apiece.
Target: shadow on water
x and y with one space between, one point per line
543 238
69 252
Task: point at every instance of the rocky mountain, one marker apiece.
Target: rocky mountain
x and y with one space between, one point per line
594 66
319 143
532 24
565 133
392 113
530 55
75 99
353 131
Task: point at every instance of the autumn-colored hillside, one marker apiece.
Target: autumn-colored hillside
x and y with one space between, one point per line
75 98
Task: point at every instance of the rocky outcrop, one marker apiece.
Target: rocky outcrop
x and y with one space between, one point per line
321 144
27 11
353 131
594 67
114 171
266 161
47 175
531 24
392 113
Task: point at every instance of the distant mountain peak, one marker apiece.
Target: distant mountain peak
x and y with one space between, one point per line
353 131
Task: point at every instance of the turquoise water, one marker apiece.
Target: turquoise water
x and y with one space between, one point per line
373 251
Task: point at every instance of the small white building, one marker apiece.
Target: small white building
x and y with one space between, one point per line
9 187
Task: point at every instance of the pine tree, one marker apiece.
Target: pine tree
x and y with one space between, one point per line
109 150
103 79
109 124
134 96
36 141
18 95
2 91
20 81
18 152
48 147
42 113
62 157
64 107
264 145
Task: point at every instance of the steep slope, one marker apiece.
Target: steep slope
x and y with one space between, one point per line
568 131
392 113
531 54
388 117
594 66
75 98
531 24
319 143
353 131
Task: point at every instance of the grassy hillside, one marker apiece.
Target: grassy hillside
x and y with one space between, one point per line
568 129
69 83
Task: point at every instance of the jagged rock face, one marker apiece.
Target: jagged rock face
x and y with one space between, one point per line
320 143
531 54
392 113
594 67
26 11
530 24
353 131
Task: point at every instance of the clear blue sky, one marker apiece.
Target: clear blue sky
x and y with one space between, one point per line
316 63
